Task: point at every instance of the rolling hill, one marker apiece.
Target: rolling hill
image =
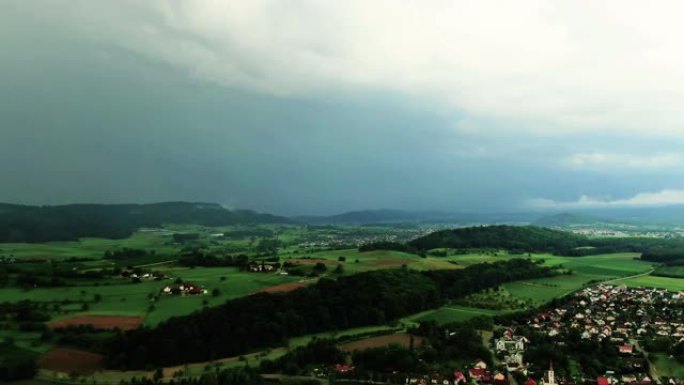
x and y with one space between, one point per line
20 223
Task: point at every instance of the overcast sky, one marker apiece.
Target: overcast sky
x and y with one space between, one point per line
309 107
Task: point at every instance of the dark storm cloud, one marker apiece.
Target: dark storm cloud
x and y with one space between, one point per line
126 102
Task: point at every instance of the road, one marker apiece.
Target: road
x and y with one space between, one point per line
630 277
653 371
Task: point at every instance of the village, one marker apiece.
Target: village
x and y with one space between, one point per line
627 319
624 319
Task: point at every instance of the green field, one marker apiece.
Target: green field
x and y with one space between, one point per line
667 366
672 284
236 284
452 313
670 271
373 260
120 296
87 247
536 292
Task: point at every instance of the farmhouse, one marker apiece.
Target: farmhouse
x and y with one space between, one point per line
184 289
263 267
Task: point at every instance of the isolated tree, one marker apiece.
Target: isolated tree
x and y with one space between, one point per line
320 267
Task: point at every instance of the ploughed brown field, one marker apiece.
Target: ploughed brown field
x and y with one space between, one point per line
282 288
71 361
100 322
402 339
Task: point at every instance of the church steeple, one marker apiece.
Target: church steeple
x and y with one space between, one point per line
550 377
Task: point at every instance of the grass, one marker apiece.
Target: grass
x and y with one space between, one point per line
584 271
236 284
87 247
121 297
667 366
452 313
542 290
670 271
672 284
126 298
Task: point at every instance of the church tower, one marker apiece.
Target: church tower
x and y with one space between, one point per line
550 377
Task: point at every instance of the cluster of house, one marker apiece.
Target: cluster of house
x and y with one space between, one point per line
629 231
148 276
184 289
618 314
510 349
343 239
263 267
481 374
478 373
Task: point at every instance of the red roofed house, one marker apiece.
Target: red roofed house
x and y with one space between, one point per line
343 368
459 377
626 349
602 381
477 373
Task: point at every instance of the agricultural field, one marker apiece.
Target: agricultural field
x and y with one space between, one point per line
357 262
89 247
115 300
672 284
452 313
584 271
402 339
110 300
670 271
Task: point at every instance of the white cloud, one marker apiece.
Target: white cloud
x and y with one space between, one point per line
610 162
552 67
660 198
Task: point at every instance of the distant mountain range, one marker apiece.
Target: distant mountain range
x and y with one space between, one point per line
665 216
386 216
657 216
570 219
20 223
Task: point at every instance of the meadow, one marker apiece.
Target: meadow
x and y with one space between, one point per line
667 366
672 284
298 245
452 313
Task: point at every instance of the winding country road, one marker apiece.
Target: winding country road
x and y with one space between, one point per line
630 277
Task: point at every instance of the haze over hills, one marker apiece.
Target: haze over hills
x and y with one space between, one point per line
20 223
425 217
672 215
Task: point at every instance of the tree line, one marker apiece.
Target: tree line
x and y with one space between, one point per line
532 239
19 223
267 320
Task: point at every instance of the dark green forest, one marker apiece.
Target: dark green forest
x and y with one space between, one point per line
70 222
267 320
529 239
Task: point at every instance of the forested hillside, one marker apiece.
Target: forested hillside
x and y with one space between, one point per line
63 223
526 239
265 320
513 238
